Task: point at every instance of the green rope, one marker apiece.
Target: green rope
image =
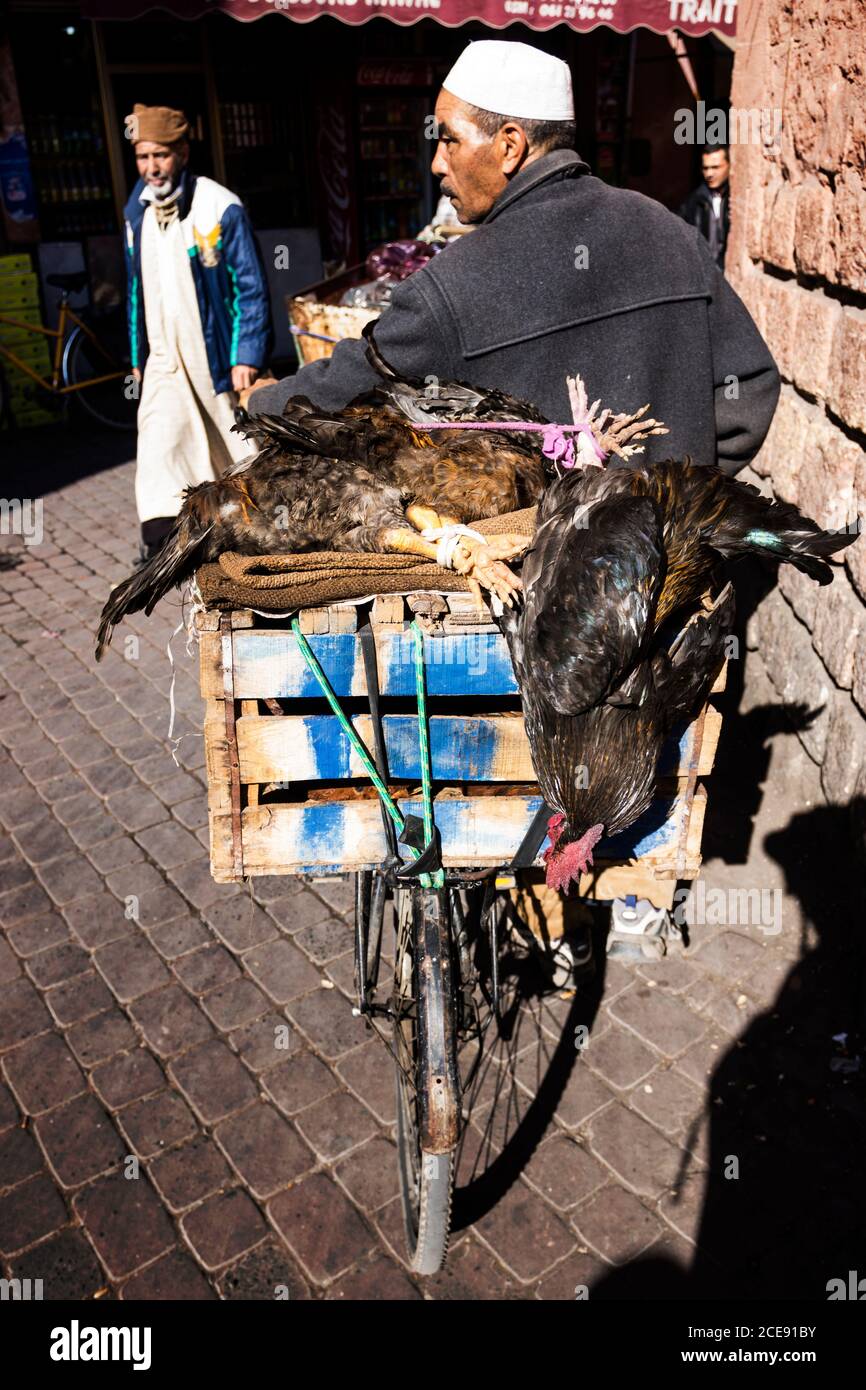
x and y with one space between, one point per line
352 735
438 877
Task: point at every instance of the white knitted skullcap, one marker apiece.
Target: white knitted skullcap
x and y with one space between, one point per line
512 79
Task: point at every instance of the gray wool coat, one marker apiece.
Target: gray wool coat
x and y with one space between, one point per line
567 274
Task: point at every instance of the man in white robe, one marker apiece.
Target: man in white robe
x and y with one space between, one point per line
198 315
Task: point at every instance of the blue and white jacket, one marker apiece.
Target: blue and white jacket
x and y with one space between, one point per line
229 278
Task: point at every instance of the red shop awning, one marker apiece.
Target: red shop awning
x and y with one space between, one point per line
689 16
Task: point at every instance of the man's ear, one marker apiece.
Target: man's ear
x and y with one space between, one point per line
183 152
514 147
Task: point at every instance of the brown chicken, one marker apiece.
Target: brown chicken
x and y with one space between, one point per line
372 477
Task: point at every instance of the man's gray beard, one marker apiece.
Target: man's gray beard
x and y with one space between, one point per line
161 195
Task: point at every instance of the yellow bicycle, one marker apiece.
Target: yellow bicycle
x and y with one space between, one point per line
93 366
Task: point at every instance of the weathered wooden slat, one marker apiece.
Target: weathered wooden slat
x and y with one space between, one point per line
269 662
291 838
482 748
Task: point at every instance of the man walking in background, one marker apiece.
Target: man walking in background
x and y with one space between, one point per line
707 208
199 318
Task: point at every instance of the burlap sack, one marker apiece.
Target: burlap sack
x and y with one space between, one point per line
279 583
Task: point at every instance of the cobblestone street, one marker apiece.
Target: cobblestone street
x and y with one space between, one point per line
154 1143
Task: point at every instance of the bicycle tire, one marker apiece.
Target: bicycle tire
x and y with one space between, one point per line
108 404
425 1051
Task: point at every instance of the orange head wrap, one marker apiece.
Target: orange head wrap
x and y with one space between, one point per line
160 124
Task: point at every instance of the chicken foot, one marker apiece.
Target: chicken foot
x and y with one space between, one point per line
476 561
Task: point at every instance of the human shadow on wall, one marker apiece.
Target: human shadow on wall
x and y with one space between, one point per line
787 1103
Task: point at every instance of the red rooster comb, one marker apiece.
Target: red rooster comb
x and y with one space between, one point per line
565 866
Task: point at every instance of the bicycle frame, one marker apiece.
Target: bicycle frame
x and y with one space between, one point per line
54 385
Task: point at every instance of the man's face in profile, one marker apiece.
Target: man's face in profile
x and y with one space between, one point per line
715 168
470 164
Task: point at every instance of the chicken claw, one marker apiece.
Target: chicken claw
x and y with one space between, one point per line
478 563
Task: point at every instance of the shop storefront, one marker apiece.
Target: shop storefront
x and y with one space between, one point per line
317 114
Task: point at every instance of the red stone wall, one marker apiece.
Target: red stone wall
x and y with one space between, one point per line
798 259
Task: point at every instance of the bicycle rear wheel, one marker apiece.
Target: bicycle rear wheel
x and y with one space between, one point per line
112 403
425 1050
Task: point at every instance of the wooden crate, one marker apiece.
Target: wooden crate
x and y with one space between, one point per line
266 724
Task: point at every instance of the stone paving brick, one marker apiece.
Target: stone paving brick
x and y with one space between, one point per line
95 829
369 1072
195 882
125 1222
66 1265
10 966
136 808
157 1123
131 967
324 941
169 846
326 1019
320 1227
669 1102
190 1173
101 1037
126 1078
177 790
76 806
265 1042
731 956
266 1151
42 1073
192 813
109 776
573 1278
616 1225
79 1140
637 1153
8 1109
281 970
15 874
334 1126
240 923
213 1080
20 903
170 1021
135 878
29 1212
268 887
380 1278
205 969
99 920
223 1228
176 938
619 1057
58 964
300 910
79 998
369 1175
699 1063
228 1006
160 905
564 1172
20 1157
268 1272
663 1022
299 1081
44 841
174 1276
118 853
524 1233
